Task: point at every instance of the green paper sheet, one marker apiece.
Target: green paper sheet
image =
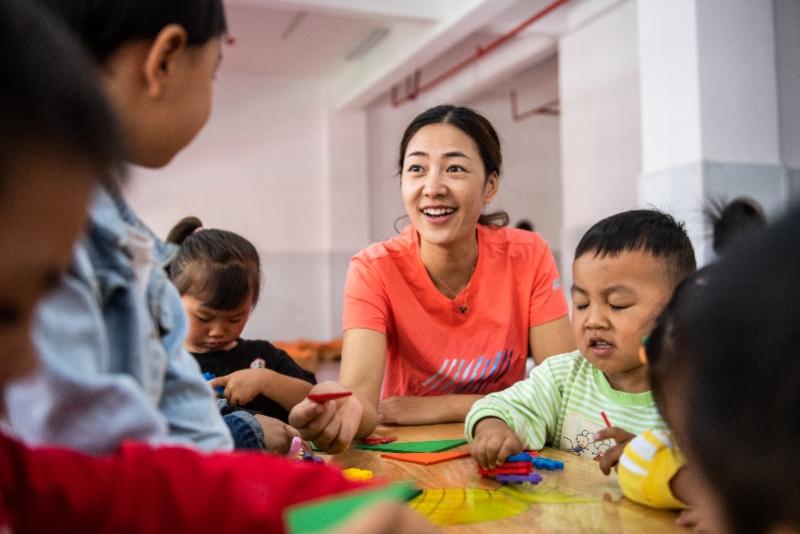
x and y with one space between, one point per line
415 446
321 515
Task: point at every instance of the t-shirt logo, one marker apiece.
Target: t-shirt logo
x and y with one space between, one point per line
462 375
258 363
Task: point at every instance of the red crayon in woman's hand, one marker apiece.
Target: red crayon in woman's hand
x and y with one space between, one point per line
321 398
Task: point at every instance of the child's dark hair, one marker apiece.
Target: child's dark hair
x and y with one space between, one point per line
730 338
222 268
103 26
475 126
51 98
650 230
732 220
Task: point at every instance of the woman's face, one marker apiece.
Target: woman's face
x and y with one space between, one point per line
444 184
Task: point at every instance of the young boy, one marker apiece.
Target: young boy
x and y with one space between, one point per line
110 336
626 267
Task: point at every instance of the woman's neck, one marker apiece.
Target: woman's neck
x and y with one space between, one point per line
450 266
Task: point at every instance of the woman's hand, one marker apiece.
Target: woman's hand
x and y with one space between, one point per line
277 434
611 457
331 425
493 442
241 387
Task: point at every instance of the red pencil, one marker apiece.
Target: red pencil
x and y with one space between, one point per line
320 398
605 418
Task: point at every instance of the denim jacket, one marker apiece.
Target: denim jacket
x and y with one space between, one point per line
110 339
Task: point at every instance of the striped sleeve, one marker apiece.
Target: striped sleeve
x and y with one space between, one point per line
530 407
646 467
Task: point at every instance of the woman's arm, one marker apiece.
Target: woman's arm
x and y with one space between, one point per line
363 365
425 410
551 338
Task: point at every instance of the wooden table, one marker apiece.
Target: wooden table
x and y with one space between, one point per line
609 513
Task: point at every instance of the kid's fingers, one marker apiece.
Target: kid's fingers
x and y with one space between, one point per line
610 458
509 446
219 381
617 434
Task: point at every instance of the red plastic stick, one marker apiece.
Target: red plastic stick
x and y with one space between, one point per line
320 398
605 418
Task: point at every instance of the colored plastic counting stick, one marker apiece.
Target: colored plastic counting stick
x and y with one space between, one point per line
547 464
319 398
533 478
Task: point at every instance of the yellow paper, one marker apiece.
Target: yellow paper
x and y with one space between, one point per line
454 506
541 495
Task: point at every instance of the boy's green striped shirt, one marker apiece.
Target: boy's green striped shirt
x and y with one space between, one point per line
559 404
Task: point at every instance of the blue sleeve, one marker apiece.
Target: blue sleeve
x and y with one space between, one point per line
71 400
105 377
246 431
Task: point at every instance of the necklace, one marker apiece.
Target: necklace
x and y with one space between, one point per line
463 307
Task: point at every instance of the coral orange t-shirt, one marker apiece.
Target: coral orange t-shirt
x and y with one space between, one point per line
474 344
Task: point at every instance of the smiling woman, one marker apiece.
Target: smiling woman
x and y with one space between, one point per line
448 310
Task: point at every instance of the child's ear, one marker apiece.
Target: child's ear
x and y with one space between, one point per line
491 188
169 44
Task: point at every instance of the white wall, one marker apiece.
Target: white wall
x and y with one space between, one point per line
530 187
600 123
787 40
258 169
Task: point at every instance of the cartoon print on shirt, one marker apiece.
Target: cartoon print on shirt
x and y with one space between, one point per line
258 363
583 442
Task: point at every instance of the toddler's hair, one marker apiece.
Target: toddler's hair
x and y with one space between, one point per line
219 267
51 98
103 26
728 341
648 230
733 220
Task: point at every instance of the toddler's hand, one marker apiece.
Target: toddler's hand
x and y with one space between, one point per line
611 457
277 434
331 425
242 386
493 442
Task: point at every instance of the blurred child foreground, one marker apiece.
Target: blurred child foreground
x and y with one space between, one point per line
58 137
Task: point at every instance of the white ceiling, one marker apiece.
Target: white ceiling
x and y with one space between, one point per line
311 38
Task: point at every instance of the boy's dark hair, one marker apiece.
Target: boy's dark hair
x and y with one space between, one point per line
220 267
732 340
105 25
51 98
732 220
650 231
474 125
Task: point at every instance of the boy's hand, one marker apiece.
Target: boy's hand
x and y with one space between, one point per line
242 386
611 457
277 434
493 442
331 425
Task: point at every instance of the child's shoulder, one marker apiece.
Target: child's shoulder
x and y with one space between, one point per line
562 365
